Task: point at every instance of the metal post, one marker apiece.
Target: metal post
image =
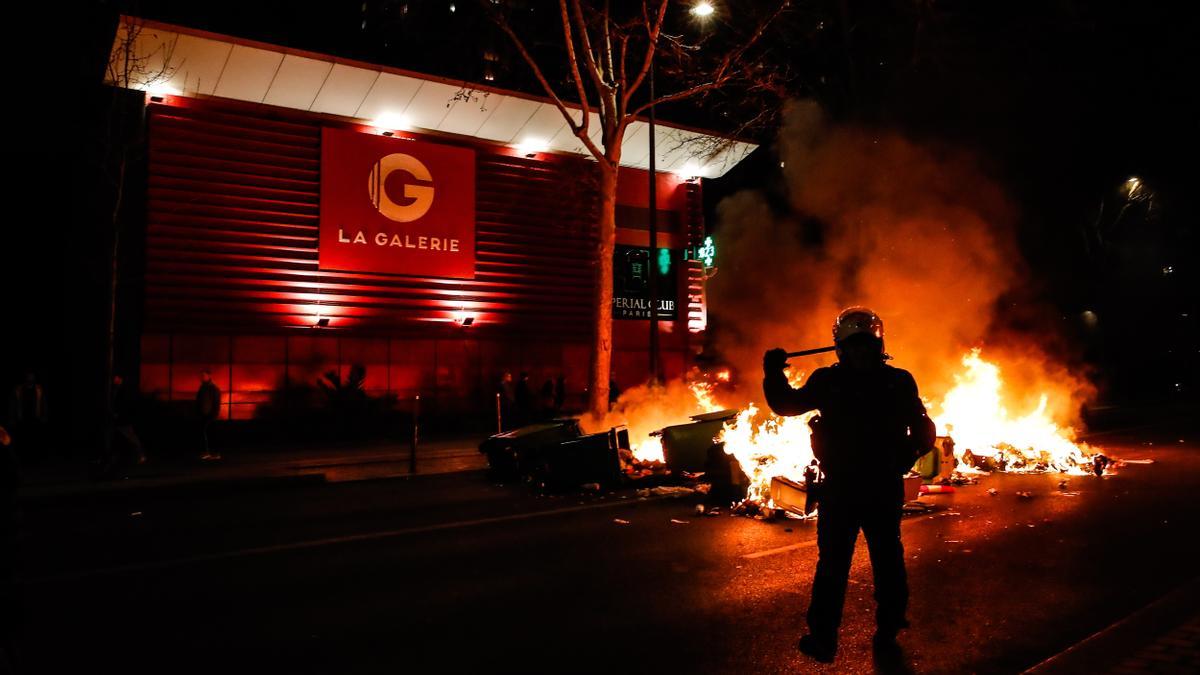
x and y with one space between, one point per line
653 257
499 417
416 437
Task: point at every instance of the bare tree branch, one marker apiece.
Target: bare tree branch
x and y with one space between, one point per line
541 78
586 42
723 74
608 49
570 41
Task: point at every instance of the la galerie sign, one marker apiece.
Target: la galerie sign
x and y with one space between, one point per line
396 206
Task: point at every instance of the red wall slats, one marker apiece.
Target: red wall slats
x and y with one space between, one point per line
233 213
231 258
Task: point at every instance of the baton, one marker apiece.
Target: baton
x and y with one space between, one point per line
809 352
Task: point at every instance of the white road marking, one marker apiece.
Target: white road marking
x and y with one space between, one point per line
781 549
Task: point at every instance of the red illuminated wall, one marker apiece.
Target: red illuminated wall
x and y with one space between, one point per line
232 282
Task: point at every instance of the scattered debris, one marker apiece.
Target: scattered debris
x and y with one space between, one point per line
1062 484
699 509
680 522
1025 495
666 491
620 521
136 513
1137 461
692 475
790 495
1066 493
592 487
993 491
1100 463
954 541
937 489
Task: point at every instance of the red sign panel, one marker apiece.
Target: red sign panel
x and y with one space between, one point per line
396 206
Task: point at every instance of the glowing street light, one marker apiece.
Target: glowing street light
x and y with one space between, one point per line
702 9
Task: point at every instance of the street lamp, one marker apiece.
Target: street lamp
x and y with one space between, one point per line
702 9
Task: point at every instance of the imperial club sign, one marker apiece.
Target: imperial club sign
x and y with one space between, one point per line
396 206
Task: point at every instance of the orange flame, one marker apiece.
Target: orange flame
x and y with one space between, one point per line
767 445
974 414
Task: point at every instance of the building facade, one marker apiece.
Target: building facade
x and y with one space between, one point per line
305 214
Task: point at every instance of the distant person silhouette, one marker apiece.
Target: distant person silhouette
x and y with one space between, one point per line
871 429
208 407
121 410
27 414
526 401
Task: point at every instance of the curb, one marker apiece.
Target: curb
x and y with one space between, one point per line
1102 651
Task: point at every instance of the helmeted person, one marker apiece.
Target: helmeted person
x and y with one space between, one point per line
871 429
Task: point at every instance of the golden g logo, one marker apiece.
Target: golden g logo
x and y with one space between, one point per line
420 196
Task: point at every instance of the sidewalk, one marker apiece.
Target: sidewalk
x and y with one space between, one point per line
1163 637
368 461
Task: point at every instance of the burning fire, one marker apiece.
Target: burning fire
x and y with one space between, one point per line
648 450
779 446
986 434
973 413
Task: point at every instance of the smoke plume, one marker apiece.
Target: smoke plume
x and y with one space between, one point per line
918 233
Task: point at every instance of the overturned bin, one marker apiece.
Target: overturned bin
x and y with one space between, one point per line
556 455
509 453
591 458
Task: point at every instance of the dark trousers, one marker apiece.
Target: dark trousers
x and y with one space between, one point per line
206 424
877 513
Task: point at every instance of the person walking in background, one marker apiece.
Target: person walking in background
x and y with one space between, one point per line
121 411
508 399
560 393
28 418
546 400
208 407
526 401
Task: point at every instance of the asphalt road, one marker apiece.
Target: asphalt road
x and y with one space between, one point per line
452 574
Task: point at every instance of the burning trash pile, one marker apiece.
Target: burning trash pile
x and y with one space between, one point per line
682 434
977 434
992 439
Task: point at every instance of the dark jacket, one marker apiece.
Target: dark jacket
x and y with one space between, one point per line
121 405
208 401
872 425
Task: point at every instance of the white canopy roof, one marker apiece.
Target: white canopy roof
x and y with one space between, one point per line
196 63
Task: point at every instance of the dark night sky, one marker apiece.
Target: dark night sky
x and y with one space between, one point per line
1064 99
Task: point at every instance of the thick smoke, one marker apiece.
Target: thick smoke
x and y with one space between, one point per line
916 232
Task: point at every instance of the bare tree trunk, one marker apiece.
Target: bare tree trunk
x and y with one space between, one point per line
602 299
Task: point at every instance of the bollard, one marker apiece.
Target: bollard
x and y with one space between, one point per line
416 437
499 420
